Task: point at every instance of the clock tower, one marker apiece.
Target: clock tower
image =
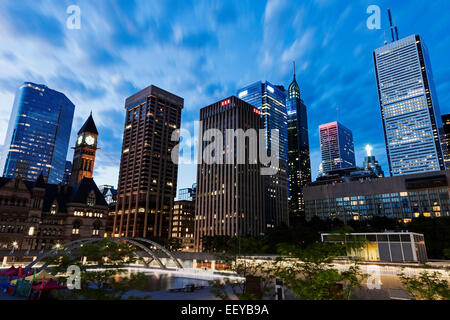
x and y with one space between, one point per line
84 155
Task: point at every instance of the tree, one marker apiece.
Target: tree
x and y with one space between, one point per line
107 282
426 286
245 269
310 275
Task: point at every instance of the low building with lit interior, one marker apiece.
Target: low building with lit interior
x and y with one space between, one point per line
400 197
384 247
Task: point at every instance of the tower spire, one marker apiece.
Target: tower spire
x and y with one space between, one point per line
294 69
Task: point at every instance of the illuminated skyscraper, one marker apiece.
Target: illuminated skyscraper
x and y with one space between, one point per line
409 107
230 197
446 147
38 134
271 101
371 164
299 163
148 176
336 146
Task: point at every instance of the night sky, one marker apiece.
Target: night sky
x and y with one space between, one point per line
204 51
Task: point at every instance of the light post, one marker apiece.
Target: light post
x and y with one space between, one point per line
14 244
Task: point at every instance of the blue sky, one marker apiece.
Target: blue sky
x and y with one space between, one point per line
204 51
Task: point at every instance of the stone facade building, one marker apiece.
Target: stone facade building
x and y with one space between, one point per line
37 215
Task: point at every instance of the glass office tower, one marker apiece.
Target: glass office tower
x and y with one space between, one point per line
38 133
336 146
409 107
446 141
299 163
271 101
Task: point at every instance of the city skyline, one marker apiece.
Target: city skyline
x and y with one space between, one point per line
304 42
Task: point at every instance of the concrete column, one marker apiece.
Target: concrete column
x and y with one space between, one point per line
84 260
5 260
194 264
213 265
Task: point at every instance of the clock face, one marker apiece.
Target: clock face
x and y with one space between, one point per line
80 139
90 140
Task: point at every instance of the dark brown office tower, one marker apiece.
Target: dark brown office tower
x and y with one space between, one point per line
148 176
446 142
230 197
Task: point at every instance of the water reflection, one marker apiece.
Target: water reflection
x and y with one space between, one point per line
167 281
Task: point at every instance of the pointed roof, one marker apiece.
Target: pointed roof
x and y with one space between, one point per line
82 190
40 182
294 89
89 126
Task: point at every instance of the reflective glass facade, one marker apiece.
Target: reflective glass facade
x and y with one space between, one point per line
446 126
336 146
271 101
39 133
299 162
401 197
409 106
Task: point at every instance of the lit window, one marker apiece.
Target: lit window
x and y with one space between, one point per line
91 199
76 227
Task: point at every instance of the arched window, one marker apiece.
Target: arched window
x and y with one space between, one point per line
76 227
96 228
91 199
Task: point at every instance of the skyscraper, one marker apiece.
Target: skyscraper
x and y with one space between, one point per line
371 164
148 176
67 172
409 107
38 133
85 150
187 194
446 142
271 101
299 163
336 146
230 197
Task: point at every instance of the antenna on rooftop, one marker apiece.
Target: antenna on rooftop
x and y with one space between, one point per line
390 22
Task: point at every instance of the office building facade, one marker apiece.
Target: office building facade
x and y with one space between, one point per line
409 107
446 147
67 172
402 197
38 134
271 101
299 162
148 176
183 223
336 146
187 194
230 197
